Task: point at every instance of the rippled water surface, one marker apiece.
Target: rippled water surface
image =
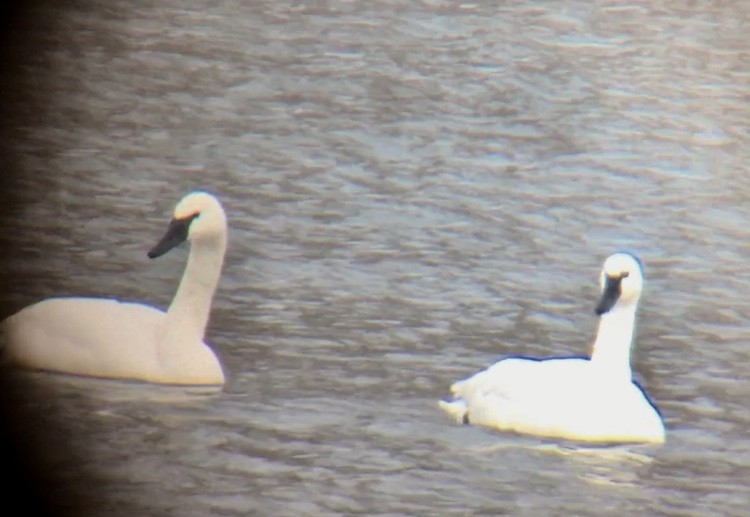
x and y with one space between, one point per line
414 189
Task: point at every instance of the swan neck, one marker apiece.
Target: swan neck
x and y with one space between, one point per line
614 338
187 316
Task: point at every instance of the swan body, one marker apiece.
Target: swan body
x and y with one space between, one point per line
105 338
585 399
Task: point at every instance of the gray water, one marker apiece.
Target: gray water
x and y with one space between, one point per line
414 189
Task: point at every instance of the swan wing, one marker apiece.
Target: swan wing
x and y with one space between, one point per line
86 336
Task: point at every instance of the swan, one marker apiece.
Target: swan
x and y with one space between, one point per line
581 399
100 337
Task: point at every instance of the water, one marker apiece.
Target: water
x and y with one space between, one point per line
414 189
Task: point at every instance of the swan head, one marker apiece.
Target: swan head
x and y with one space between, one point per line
198 217
621 282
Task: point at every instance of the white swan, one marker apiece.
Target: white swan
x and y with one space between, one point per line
106 338
578 398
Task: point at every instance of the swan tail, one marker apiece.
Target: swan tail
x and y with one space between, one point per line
456 409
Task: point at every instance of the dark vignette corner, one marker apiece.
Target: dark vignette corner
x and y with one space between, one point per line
34 448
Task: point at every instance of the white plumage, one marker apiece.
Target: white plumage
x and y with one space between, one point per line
581 399
106 338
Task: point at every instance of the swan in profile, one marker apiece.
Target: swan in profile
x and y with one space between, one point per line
106 338
583 399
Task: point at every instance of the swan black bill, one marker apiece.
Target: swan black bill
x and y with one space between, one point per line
610 295
177 233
